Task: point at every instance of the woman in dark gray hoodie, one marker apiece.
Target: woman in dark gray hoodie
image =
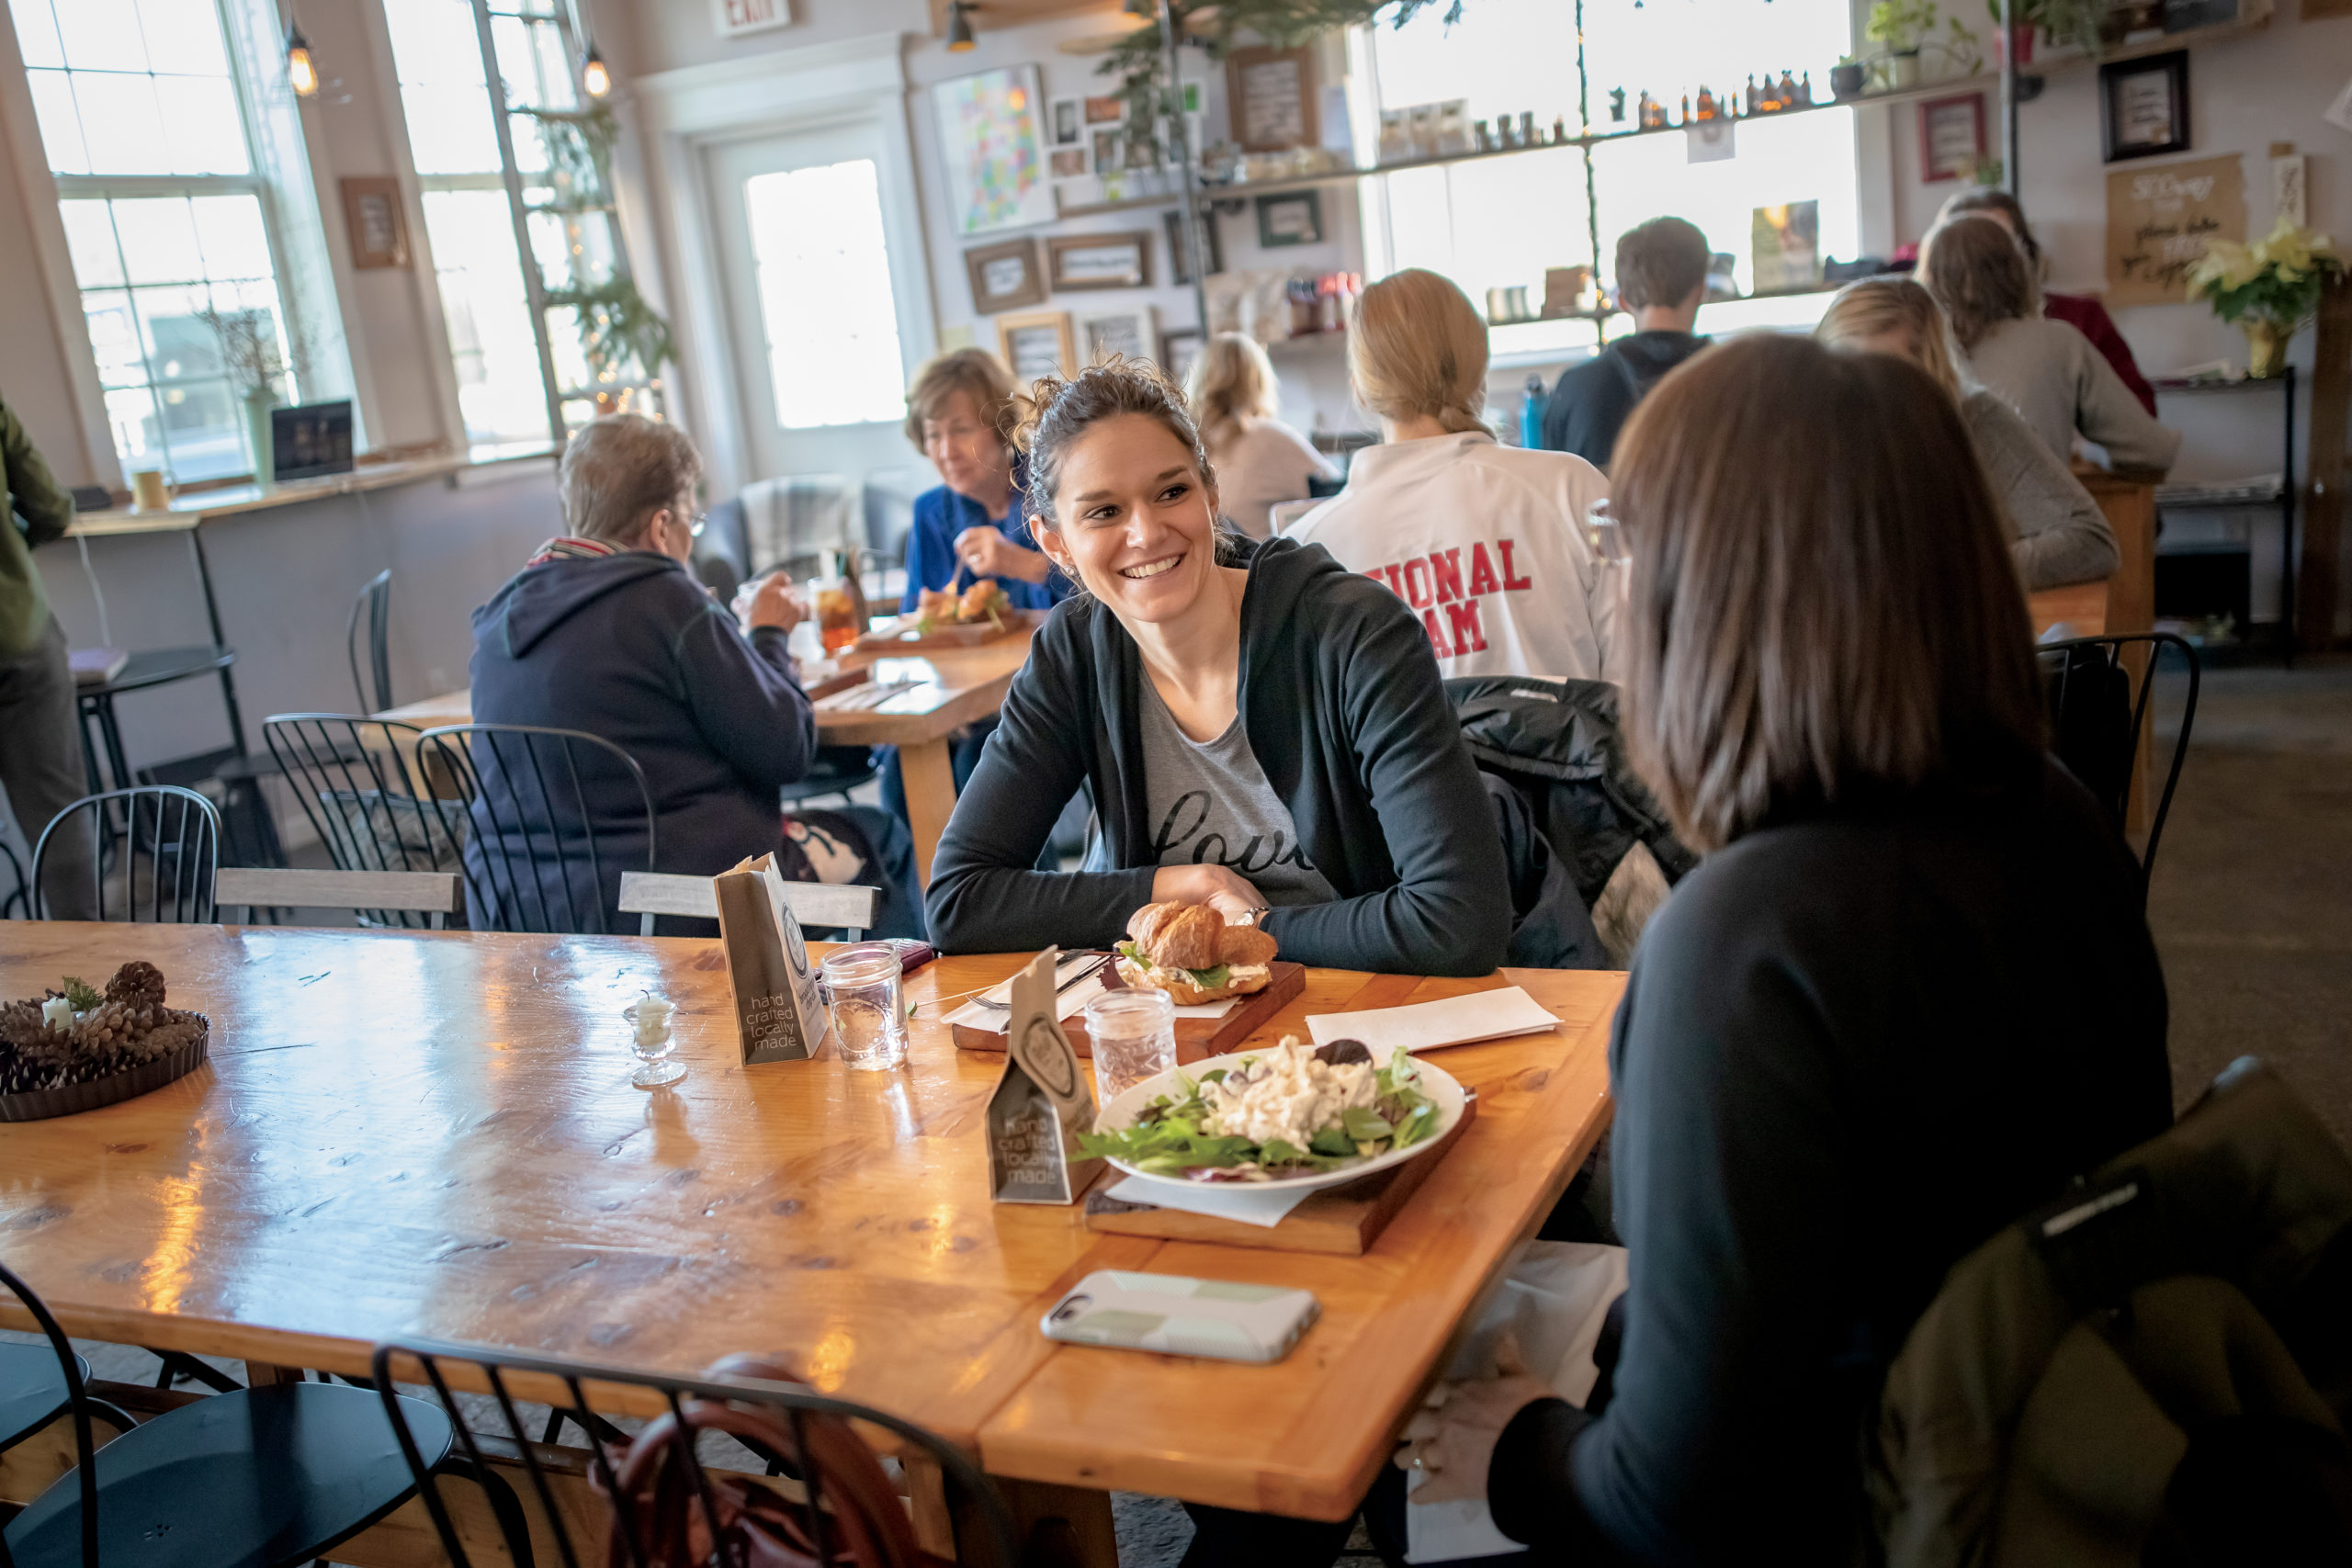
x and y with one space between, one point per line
604 630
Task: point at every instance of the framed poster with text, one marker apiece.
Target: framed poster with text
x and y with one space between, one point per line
2159 222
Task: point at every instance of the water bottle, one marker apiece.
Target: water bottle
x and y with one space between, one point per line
1531 414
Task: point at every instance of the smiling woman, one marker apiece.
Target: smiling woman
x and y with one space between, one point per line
1262 731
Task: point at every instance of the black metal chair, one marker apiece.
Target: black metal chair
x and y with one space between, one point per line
2097 707
172 827
535 861
375 602
363 786
267 1477
18 901
984 1528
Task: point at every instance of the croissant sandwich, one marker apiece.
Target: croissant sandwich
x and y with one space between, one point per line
1188 951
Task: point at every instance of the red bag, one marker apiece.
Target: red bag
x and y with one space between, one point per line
865 1524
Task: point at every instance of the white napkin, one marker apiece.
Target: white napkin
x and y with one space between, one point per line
1425 1026
1250 1203
1554 1299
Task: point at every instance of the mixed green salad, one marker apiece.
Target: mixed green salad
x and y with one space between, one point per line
1281 1113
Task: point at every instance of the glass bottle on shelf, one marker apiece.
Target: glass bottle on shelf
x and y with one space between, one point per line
1804 91
1706 104
1788 90
1686 109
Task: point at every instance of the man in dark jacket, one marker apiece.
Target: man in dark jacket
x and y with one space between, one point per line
40 755
605 631
1661 278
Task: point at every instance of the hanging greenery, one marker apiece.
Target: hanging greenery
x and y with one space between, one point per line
579 144
617 328
1139 61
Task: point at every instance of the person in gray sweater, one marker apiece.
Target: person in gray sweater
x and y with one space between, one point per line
2058 384
2058 534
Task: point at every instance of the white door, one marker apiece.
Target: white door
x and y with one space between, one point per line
816 284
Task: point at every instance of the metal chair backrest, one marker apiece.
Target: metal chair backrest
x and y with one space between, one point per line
363 785
77 1396
175 824
433 893
20 891
2098 705
824 904
512 1378
535 862
375 602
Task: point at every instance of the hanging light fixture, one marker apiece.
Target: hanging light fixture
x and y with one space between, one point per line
299 73
959 27
596 78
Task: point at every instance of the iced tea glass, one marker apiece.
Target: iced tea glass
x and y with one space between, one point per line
1132 1034
867 1001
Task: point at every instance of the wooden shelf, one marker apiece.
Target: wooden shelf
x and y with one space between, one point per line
2069 59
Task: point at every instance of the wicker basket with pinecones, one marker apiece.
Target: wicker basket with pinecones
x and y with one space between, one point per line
77 1048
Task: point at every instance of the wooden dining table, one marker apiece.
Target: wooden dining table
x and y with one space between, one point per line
434 1133
942 690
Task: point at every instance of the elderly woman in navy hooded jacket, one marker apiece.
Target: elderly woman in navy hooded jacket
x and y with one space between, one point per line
604 630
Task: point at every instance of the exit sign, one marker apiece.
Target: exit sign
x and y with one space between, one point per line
734 18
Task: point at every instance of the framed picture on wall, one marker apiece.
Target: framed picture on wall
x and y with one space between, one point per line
1951 137
2144 107
1179 346
1110 149
1099 261
1127 334
372 215
1071 163
1271 94
1109 109
1212 252
1294 217
992 138
1070 122
1005 276
1036 344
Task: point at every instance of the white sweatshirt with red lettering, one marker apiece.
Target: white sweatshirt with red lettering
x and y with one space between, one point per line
1484 541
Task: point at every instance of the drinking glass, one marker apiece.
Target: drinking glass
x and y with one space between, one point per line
867 1001
1134 1037
649 1037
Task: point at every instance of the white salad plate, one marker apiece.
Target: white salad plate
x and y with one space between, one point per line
1442 1088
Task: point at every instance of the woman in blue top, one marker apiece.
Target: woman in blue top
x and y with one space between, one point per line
970 526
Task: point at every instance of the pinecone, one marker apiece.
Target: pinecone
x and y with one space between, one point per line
139 983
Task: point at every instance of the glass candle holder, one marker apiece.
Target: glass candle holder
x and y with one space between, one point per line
865 999
1133 1035
649 1019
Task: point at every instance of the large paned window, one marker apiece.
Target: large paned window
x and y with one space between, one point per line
526 249
1501 221
825 304
148 132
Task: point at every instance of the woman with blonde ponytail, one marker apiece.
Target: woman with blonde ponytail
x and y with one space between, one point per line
1484 541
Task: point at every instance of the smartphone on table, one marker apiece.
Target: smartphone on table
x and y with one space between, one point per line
1182 1317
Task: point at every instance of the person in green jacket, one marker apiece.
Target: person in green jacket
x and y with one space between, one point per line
40 764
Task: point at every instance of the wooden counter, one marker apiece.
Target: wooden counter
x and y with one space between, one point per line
204 506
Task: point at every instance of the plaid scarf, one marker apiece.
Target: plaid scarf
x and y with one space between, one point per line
566 547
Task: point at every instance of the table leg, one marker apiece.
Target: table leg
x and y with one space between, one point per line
929 774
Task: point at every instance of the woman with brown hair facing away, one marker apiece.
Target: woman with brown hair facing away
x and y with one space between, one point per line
2046 370
1259 460
2081 311
2058 531
1844 1058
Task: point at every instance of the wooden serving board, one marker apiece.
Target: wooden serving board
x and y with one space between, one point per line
900 636
1195 1037
1342 1220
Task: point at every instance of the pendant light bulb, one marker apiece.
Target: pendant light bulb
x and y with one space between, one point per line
596 79
959 27
300 74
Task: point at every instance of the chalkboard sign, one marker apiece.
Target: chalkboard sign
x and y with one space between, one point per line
778 1015
1041 1103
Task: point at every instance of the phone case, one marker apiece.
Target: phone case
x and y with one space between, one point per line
1182 1317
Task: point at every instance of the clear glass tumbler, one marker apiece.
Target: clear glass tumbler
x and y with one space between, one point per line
867 1001
1132 1034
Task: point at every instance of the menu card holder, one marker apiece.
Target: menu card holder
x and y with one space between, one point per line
1041 1103
778 1015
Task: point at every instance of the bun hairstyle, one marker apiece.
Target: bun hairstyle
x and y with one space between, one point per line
1417 348
1053 413
1875 307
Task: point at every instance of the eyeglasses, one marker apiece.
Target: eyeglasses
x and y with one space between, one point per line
694 529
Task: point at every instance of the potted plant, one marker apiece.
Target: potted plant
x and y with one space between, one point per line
1901 26
1846 77
252 359
2023 16
2268 290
